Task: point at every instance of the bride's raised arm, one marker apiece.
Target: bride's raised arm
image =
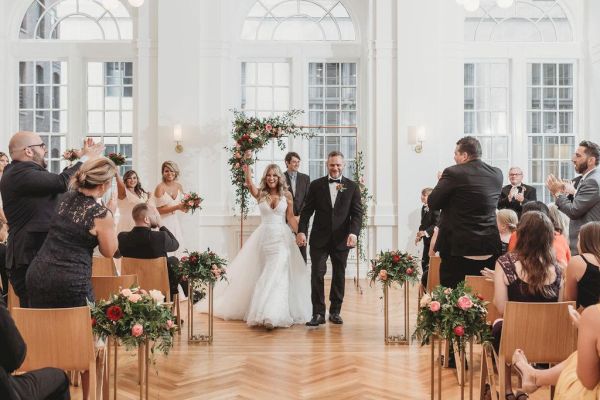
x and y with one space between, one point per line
251 186
291 219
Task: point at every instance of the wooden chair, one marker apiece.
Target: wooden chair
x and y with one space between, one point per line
527 326
433 277
106 286
103 266
481 286
48 334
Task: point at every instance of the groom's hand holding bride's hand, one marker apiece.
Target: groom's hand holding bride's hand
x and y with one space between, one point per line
351 241
301 239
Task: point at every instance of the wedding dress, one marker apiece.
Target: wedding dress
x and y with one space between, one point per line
269 282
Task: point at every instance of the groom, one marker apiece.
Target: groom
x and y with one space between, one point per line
335 201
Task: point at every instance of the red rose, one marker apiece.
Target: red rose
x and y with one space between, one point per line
114 313
396 258
93 321
409 271
193 259
459 330
184 259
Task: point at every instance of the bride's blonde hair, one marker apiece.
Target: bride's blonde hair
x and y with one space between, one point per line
263 188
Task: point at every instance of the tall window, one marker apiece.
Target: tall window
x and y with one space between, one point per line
43 105
550 122
110 106
486 109
332 95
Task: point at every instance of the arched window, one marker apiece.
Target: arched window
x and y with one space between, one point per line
298 20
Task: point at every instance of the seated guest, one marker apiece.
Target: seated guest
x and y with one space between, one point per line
516 194
507 221
530 273
560 219
560 243
429 220
40 384
3 272
583 272
578 377
143 242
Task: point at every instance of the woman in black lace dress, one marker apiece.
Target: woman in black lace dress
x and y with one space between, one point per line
60 275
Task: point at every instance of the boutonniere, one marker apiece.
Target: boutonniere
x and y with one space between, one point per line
340 187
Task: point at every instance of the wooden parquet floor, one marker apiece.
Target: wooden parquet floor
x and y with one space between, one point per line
349 361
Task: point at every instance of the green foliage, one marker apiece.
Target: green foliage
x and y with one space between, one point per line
206 267
365 198
394 266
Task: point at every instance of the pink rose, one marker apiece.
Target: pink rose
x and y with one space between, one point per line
190 203
459 330
464 302
238 155
142 291
134 298
126 292
237 165
137 330
268 127
170 324
237 146
435 306
186 197
383 275
409 271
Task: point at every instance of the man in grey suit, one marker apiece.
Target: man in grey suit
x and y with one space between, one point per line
585 204
298 184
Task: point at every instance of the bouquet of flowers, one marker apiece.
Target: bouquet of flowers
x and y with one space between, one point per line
192 201
70 155
135 316
118 158
451 314
394 266
205 267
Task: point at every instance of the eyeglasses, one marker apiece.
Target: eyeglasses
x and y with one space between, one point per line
42 145
514 174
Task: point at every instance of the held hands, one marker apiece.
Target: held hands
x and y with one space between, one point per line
301 239
488 274
351 241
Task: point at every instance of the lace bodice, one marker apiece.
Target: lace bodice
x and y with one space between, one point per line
273 215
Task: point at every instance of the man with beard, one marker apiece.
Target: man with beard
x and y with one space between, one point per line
30 194
585 204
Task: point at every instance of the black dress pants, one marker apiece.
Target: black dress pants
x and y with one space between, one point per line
318 258
41 384
453 269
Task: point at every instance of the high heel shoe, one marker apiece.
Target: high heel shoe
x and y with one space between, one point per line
527 379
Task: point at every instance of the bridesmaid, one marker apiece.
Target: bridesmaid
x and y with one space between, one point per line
130 193
168 195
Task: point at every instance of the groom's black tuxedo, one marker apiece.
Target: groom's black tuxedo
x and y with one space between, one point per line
330 229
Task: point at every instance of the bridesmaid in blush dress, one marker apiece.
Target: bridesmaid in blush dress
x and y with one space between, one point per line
130 193
167 198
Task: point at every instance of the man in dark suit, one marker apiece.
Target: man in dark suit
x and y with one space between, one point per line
467 193
335 201
298 184
429 220
30 194
145 243
41 384
516 194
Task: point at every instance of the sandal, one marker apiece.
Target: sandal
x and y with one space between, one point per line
521 396
528 380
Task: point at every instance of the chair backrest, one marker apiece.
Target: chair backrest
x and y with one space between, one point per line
106 286
151 273
481 286
433 276
542 330
103 266
56 337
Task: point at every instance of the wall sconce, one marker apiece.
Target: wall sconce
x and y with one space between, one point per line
177 137
416 137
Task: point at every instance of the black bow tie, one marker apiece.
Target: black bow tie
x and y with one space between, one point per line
339 180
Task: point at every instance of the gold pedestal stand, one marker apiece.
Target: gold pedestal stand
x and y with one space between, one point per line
199 338
396 339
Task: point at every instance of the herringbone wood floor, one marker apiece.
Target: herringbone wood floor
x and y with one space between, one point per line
349 361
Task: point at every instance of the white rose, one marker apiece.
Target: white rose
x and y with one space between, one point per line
157 296
426 299
253 135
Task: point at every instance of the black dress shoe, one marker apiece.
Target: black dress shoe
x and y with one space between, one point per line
336 319
316 320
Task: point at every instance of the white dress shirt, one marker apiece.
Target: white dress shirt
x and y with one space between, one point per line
333 192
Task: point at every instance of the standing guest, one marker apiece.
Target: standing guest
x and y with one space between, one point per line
168 195
467 193
514 195
585 205
429 220
583 272
30 194
3 163
60 275
3 272
507 221
41 384
129 193
145 243
298 184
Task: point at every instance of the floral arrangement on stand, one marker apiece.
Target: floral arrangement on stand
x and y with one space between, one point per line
206 267
452 314
192 201
118 158
250 135
365 198
394 266
70 155
135 316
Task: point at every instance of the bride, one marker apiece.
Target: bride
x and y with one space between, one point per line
269 283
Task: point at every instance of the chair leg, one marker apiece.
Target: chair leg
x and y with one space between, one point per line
178 320
502 377
92 380
483 375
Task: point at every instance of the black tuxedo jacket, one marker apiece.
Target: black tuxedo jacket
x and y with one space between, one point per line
530 195
30 194
333 222
429 220
142 242
468 195
302 184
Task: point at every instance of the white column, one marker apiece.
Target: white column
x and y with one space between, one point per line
591 81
